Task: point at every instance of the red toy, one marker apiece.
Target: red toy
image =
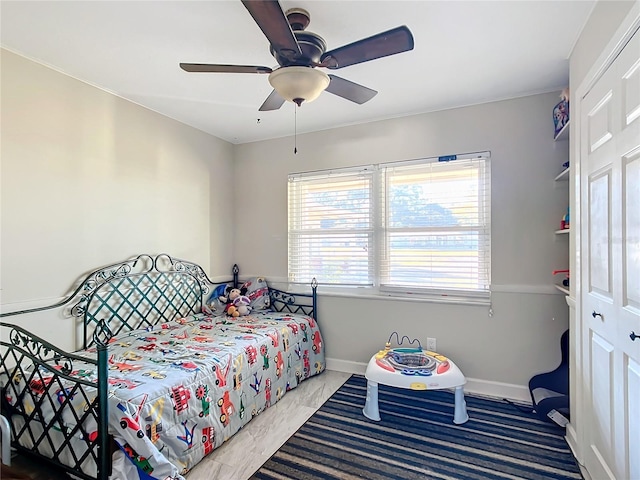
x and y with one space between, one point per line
565 282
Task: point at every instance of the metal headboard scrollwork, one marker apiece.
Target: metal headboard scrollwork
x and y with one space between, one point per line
140 293
136 293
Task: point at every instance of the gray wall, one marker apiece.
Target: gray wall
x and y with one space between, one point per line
88 179
522 336
604 20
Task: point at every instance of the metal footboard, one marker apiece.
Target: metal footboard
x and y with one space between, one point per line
306 303
38 380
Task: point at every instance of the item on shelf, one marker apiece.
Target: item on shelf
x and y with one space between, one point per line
565 223
561 112
565 282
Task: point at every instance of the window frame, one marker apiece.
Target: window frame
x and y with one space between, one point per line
379 231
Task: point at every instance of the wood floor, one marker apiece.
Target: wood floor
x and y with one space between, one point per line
262 437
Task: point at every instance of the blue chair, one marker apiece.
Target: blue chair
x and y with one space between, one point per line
550 391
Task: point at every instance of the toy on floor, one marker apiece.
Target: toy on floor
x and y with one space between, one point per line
415 369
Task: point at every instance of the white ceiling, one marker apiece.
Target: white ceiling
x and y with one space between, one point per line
466 52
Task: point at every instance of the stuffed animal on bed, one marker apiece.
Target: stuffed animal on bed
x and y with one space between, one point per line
213 303
229 294
222 299
239 307
237 304
242 305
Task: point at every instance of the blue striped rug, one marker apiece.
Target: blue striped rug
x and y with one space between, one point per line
416 439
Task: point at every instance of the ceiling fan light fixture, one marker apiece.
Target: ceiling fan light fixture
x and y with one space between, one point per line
299 84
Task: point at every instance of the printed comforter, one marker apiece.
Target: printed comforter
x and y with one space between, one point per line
179 390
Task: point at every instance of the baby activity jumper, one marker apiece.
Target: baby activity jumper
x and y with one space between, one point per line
416 369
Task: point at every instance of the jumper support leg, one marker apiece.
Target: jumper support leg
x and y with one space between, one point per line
460 413
370 409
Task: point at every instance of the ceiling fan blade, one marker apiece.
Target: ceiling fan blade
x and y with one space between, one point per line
213 68
273 102
383 44
272 21
351 91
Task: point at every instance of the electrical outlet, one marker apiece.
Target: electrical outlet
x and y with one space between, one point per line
431 344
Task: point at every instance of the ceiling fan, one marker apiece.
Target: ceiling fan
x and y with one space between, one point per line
298 53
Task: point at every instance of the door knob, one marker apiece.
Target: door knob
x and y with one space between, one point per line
596 314
633 336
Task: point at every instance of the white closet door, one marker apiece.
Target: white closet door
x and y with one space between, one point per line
610 189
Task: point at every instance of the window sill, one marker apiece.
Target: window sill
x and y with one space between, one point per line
370 293
448 299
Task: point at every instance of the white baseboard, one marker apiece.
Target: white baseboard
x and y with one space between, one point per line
346 366
519 393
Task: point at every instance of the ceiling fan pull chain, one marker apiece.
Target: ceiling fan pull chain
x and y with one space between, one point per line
295 129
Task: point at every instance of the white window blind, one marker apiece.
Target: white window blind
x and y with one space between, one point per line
420 227
331 227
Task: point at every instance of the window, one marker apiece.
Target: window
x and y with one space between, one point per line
419 227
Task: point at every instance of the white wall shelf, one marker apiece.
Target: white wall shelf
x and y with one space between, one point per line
563 176
562 134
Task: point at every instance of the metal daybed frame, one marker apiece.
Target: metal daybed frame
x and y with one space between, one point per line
140 292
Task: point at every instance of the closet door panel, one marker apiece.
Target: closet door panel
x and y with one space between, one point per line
600 271
610 301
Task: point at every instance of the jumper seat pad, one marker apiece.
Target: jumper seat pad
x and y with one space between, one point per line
411 361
